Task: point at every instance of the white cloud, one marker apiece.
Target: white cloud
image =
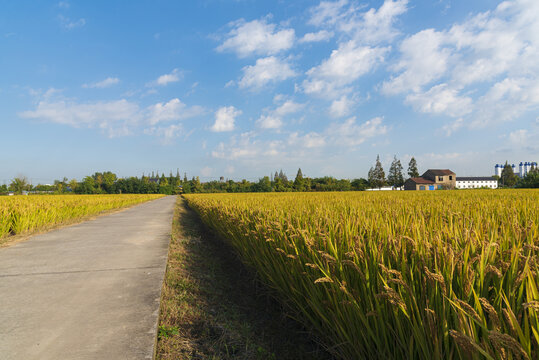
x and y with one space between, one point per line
269 122
172 110
482 71
423 60
257 37
110 81
252 148
506 100
322 35
114 117
519 137
377 25
166 79
266 70
367 27
166 133
273 120
525 139
341 107
452 127
364 38
327 12
348 63
345 65
224 118
69 24
447 158
349 133
440 99
288 107
242 147
309 141
247 147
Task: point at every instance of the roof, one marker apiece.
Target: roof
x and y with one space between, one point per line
420 180
439 172
475 178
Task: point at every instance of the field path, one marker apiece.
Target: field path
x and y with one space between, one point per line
88 291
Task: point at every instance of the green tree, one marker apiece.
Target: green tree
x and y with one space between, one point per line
263 185
87 186
508 177
278 185
164 187
244 186
109 179
283 177
19 184
531 180
395 177
377 176
73 185
196 186
60 185
299 182
412 168
163 180
307 184
360 184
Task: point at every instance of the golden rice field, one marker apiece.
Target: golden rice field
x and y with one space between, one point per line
24 214
396 275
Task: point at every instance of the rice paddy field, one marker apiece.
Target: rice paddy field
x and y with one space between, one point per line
396 275
26 214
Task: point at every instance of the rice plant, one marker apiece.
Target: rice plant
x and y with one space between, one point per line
397 275
24 214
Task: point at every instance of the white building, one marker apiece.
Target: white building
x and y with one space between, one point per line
476 182
523 169
385 188
499 168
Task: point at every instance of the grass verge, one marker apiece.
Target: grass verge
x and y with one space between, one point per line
213 308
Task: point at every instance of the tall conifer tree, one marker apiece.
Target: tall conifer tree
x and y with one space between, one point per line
412 168
395 177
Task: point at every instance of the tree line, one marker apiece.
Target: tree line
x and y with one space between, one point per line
109 183
509 179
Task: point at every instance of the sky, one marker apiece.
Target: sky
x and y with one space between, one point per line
243 88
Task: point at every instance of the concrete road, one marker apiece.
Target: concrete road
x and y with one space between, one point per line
88 291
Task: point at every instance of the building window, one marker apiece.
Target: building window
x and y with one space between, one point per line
450 177
440 178
422 187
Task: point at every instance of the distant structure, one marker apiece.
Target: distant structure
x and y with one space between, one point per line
523 168
476 182
432 179
385 188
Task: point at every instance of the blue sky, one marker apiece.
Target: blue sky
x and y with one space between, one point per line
243 88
